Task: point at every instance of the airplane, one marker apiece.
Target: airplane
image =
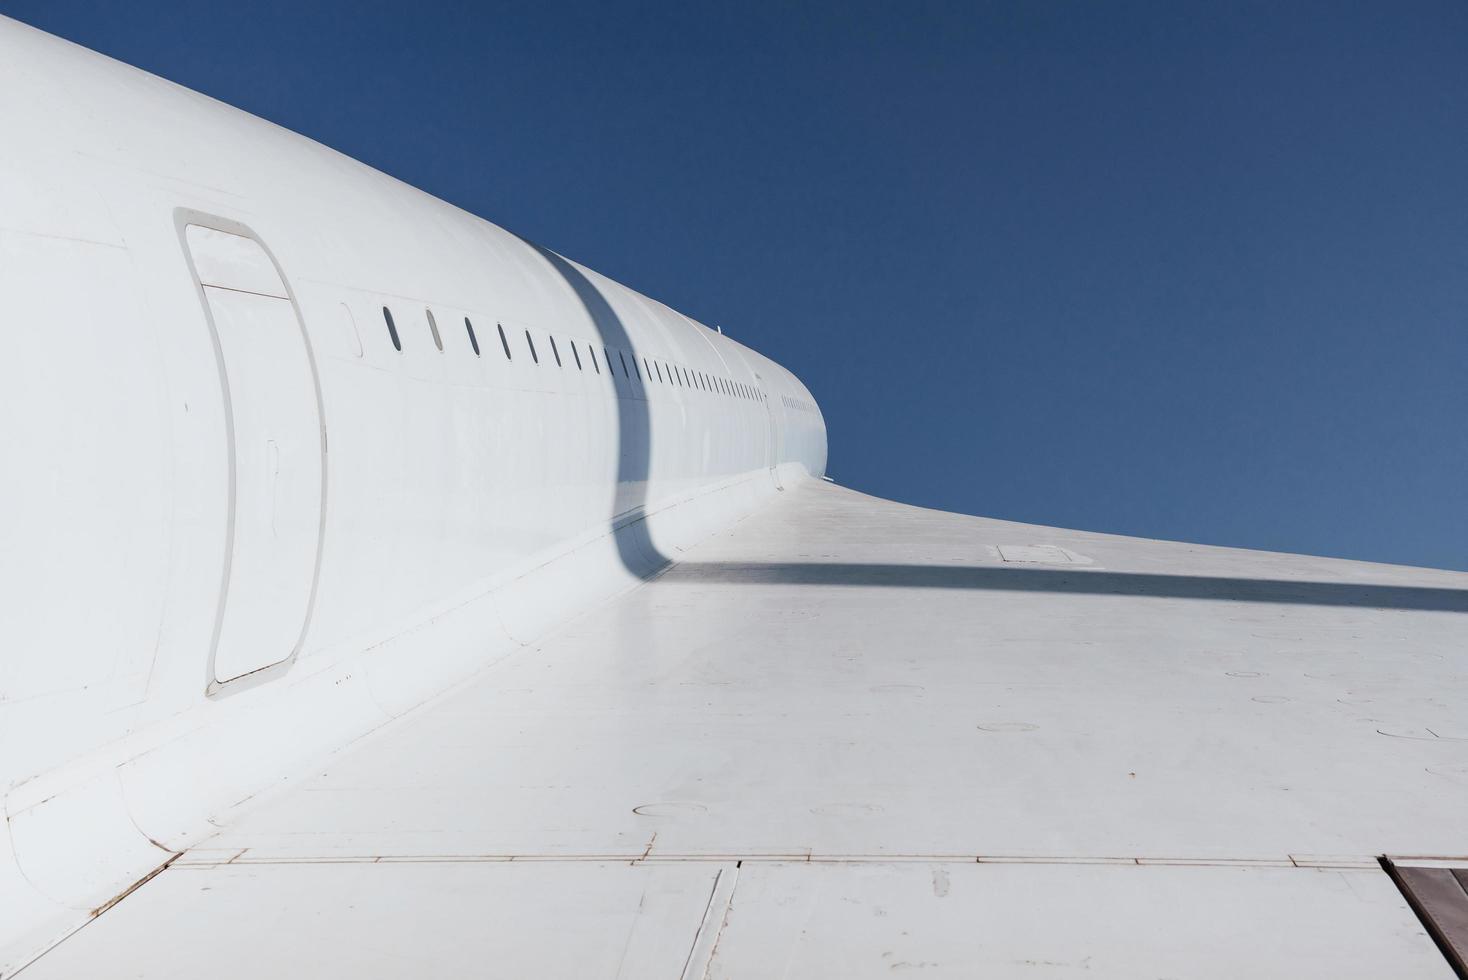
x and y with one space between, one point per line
386 594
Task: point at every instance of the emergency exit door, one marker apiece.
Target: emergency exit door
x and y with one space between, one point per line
275 454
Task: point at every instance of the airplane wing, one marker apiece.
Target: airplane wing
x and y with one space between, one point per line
386 595
852 738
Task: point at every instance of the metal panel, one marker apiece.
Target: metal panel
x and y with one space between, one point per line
275 454
1041 554
712 920
1439 896
233 262
1053 922
365 922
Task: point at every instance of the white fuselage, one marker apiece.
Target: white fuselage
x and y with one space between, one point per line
241 526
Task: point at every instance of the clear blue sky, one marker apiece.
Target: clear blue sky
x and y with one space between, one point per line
1182 270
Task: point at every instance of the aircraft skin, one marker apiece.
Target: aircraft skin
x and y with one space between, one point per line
387 594
436 488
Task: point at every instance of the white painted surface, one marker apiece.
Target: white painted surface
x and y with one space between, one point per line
509 921
1040 554
825 679
277 482
471 501
275 451
1052 922
1167 765
500 663
229 261
696 920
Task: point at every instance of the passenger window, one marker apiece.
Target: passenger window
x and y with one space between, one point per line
533 356
576 354
659 369
592 351
433 328
504 342
556 351
473 340
392 328
624 364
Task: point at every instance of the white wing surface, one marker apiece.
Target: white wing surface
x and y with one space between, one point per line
846 738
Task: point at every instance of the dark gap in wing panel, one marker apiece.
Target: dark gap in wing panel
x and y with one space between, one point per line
1439 896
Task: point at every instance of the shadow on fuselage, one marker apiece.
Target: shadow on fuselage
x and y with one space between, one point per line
635 546
641 556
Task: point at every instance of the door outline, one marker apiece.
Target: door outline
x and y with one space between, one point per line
214 688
